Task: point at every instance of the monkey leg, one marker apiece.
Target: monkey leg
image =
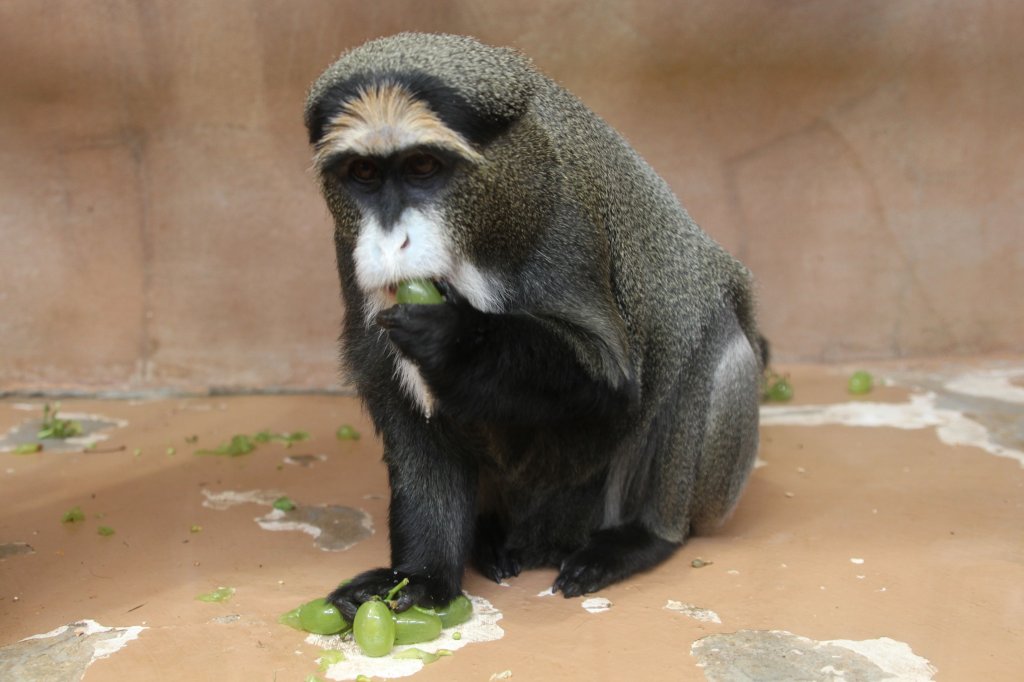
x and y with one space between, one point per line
730 438
706 436
491 554
611 555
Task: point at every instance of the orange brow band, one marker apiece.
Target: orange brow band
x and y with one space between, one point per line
386 118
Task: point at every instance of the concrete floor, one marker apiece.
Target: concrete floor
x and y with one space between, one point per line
880 537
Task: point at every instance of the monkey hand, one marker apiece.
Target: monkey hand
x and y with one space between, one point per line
436 337
421 590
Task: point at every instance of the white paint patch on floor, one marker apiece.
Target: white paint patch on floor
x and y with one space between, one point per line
94 428
596 604
482 627
63 653
780 655
994 384
226 499
334 528
894 657
550 592
102 648
953 428
695 612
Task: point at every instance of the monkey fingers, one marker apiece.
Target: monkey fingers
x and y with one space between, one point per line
431 335
420 591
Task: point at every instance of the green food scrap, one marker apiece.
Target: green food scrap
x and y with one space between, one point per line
105 531
239 445
291 618
329 658
312 678
860 382
346 432
414 653
243 444
456 636
284 504
137 451
220 594
776 388
73 515
171 451
286 438
54 427
362 678
700 563
195 529
28 448
396 589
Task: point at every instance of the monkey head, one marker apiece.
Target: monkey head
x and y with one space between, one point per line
430 177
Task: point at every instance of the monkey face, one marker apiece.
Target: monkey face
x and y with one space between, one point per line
388 155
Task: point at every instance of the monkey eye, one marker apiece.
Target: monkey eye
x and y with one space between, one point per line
421 166
364 171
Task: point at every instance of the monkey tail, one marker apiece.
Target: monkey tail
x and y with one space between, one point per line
766 351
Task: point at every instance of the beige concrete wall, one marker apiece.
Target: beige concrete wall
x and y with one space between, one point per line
159 227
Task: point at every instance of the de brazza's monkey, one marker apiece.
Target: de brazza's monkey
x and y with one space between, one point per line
586 397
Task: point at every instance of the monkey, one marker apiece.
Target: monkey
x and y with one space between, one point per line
586 395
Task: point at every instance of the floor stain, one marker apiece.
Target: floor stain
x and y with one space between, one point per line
304 460
982 410
10 549
94 430
334 528
779 655
693 611
64 653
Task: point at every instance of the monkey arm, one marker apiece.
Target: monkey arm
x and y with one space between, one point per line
432 513
509 367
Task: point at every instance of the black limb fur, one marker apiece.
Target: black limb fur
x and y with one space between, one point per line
511 368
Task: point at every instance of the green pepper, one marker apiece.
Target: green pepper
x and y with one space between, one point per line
418 291
416 625
458 611
321 618
374 628
860 383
